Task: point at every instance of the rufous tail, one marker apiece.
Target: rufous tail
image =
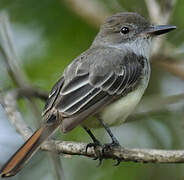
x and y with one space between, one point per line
25 152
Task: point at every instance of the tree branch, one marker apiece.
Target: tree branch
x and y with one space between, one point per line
73 148
14 115
31 92
124 154
8 52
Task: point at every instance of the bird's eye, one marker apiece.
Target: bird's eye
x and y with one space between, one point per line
124 30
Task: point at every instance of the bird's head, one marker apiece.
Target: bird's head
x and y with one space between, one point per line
130 30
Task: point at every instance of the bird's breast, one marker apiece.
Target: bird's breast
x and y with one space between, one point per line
116 112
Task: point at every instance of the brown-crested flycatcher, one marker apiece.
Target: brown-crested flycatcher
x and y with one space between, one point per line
100 88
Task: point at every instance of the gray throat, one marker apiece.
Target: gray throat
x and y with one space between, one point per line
140 46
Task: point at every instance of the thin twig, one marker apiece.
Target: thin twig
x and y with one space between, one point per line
154 11
13 114
155 104
57 166
93 12
170 65
8 52
31 92
158 16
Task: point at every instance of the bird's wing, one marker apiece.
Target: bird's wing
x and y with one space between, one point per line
92 87
53 95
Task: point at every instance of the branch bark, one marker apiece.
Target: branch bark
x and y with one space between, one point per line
124 154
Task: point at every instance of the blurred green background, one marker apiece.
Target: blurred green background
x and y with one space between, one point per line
47 36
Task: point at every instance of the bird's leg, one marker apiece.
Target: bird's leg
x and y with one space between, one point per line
114 143
95 143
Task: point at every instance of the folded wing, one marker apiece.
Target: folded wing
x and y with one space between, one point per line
88 92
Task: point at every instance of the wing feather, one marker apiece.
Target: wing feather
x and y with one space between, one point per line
53 95
83 102
76 83
107 84
69 100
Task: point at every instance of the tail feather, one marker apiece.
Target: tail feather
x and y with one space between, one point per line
24 153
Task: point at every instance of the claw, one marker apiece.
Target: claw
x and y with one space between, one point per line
88 146
94 145
98 154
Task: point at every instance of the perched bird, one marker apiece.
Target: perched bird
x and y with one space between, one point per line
100 88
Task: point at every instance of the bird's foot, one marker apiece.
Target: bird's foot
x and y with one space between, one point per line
109 146
98 153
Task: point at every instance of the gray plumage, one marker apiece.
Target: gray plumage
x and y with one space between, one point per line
102 74
86 81
114 71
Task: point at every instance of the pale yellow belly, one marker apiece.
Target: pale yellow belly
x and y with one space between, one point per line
118 111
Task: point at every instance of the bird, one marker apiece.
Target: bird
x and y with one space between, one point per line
99 88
